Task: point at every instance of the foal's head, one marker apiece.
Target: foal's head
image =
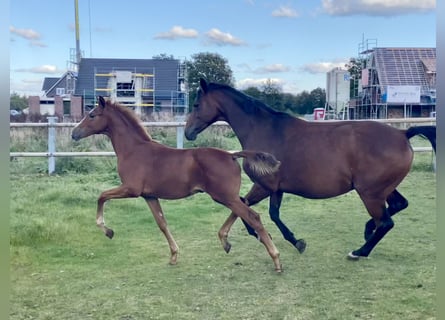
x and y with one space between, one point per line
105 117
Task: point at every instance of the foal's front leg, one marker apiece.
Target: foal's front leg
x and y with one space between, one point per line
156 210
115 193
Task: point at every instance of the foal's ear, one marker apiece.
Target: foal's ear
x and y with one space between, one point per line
203 85
101 101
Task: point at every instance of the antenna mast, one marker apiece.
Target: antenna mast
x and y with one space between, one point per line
76 10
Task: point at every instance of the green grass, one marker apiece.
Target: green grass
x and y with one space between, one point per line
63 267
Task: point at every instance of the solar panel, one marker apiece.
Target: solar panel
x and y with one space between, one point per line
404 66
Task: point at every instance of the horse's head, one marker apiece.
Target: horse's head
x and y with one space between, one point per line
94 122
205 112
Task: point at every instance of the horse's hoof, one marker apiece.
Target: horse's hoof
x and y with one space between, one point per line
280 269
352 256
109 233
227 247
300 245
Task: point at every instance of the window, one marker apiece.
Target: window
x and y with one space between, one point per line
60 91
125 89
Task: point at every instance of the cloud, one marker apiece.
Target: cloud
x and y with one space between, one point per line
273 68
27 34
37 44
284 12
376 7
177 32
45 69
322 67
219 38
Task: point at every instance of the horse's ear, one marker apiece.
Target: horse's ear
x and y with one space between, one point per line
203 85
101 101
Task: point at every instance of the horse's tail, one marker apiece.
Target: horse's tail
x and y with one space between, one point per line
258 163
428 132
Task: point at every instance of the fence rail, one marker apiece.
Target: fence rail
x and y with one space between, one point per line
51 154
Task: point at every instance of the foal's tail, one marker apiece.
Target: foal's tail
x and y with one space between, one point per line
428 132
258 163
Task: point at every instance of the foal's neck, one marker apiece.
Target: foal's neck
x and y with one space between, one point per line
124 135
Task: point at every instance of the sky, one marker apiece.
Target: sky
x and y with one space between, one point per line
292 43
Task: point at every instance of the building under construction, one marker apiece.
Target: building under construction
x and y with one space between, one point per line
395 83
390 83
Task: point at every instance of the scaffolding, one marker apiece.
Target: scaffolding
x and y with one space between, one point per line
394 82
134 88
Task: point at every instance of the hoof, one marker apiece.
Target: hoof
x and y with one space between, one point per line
300 245
227 247
109 233
352 256
279 270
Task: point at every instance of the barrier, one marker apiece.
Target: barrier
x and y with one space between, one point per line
179 125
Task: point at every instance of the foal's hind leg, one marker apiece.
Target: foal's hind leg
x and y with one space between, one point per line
253 219
156 210
274 212
255 195
396 202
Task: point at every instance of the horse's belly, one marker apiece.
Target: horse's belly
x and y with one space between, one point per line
318 188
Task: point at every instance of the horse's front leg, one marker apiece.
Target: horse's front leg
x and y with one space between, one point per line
274 212
115 193
156 210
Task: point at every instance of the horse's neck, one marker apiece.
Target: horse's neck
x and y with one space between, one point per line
249 128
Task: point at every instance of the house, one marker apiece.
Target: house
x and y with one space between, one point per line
395 83
145 85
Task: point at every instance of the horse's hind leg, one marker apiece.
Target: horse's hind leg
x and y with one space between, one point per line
384 222
396 202
156 210
274 212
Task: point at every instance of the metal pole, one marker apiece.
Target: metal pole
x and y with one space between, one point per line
51 144
180 132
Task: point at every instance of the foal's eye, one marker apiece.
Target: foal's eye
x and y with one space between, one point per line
91 115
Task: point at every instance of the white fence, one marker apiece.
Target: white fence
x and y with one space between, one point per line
51 154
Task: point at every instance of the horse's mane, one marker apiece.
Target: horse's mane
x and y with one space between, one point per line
249 104
130 119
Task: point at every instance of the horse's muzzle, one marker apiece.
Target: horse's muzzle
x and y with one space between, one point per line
76 135
190 134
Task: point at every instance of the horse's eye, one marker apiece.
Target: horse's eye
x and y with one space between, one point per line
91 115
195 106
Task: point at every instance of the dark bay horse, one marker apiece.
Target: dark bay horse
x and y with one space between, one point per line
153 171
318 159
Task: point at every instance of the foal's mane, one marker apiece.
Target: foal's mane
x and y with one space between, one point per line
130 119
249 104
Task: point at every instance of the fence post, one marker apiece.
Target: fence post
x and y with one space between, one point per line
180 132
51 144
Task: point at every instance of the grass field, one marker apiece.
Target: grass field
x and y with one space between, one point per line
63 267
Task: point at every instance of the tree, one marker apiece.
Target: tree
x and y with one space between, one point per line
18 102
164 56
210 66
272 95
318 98
354 67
